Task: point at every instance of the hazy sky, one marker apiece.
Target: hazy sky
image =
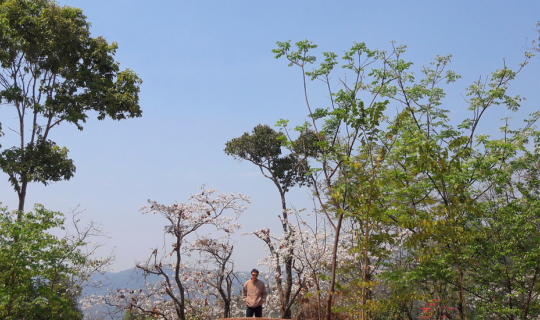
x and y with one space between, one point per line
209 76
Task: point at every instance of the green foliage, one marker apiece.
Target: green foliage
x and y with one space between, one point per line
74 72
43 162
441 178
130 315
36 267
54 72
263 148
299 57
440 212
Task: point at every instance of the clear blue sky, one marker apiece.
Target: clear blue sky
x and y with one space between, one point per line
209 75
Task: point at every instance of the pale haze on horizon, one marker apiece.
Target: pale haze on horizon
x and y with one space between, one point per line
209 76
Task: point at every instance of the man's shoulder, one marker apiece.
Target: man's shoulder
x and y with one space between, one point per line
258 283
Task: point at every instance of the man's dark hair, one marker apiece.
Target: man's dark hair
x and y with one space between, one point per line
256 271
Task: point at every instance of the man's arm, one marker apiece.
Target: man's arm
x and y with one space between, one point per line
264 294
244 292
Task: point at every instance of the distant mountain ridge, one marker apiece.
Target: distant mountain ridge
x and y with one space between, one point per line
131 278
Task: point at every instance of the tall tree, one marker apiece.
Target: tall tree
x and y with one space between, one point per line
53 71
347 122
264 149
417 171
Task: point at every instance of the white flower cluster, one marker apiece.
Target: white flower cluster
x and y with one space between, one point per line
202 288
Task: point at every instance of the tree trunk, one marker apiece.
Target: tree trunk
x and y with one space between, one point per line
318 299
285 312
179 306
285 309
227 309
462 307
22 197
334 265
20 213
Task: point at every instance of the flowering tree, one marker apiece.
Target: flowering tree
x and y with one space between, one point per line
182 287
311 246
281 253
218 269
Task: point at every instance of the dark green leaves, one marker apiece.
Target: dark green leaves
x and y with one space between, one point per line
54 71
258 147
41 162
263 148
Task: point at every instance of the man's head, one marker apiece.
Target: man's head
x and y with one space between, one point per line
254 275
